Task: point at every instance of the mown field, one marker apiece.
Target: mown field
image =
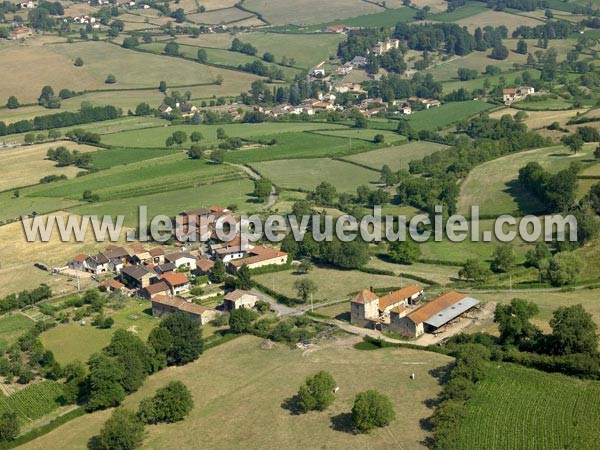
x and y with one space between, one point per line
308 173
519 408
494 185
396 157
364 134
156 137
446 114
248 387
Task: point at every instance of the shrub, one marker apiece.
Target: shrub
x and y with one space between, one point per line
170 404
371 410
317 392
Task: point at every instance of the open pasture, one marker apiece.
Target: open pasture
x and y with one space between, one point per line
477 83
471 8
307 12
299 145
332 284
441 116
363 134
26 165
115 157
156 137
388 18
249 386
237 193
497 18
219 17
516 407
308 173
539 119
397 157
494 185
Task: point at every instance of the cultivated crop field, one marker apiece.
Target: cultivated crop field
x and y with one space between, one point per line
396 157
516 407
494 185
308 173
34 401
247 388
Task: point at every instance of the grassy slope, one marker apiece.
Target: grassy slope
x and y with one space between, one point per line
446 114
242 388
396 157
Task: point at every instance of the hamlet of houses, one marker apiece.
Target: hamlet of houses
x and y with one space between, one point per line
405 311
165 277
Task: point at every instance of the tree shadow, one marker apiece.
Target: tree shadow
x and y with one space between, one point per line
94 443
343 423
292 405
526 202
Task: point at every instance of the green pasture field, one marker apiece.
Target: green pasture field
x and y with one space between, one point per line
558 104
145 177
364 134
73 341
446 114
136 69
468 10
332 284
298 146
238 193
477 83
11 327
218 56
436 273
266 380
516 407
106 159
494 186
396 157
308 173
156 137
307 12
388 18
221 16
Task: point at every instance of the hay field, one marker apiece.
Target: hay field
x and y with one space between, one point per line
218 4
497 18
37 67
26 165
494 187
540 119
396 157
221 16
247 386
307 12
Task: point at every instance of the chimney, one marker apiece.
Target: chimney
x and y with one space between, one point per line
371 289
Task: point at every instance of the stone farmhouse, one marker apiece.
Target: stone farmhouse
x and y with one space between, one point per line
511 95
163 305
369 310
239 299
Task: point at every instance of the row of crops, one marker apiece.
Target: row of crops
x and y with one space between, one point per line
520 408
34 401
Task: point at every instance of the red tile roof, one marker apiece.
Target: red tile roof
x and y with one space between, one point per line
433 307
365 296
398 296
175 278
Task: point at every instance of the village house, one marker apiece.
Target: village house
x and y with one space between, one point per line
182 259
359 61
165 268
511 95
113 286
385 46
157 289
163 305
20 33
432 316
239 299
367 309
158 255
334 29
260 256
406 109
166 109
27 5
178 282
204 266
137 277
318 70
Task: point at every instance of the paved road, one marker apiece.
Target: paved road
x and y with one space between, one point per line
281 310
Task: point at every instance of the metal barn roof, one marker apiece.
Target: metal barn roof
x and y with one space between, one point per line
451 312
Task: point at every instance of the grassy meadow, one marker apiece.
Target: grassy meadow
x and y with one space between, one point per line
397 157
249 387
448 113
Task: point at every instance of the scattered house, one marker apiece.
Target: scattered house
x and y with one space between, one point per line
20 33
239 299
367 309
261 256
182 259
204 266
230 251
178 282
510 95
334 29
430 103
323 106
318 70
113 286
432 316
187 109
137 277
163 305
385 46
406 109
348 87
78 262
27 5
166 109
157 289
359 61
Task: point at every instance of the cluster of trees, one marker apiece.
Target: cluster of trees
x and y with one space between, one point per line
393 86
359 41
87 114
64 157
124 430
259 68
557 192
25 298
47 99
40 17
446 37
370 410
242 47
82 136
553 29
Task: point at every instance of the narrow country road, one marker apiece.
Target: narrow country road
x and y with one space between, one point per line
256 176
